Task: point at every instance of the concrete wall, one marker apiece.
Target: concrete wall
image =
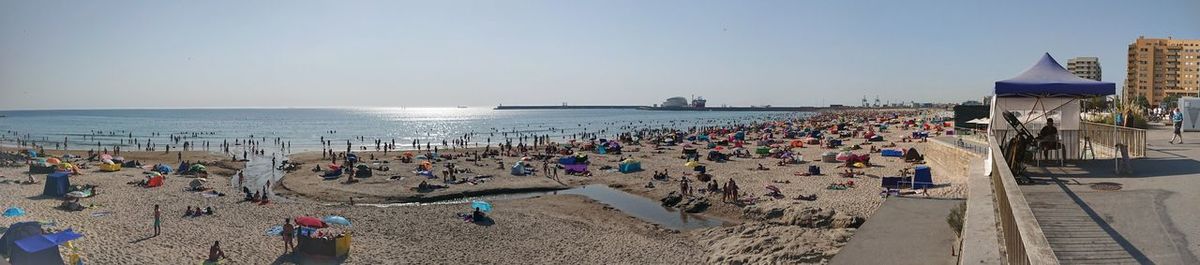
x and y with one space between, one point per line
948 161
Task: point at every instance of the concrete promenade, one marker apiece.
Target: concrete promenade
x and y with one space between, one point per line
1153 219
903 231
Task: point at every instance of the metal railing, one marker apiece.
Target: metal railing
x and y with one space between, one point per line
1108 136
1023 240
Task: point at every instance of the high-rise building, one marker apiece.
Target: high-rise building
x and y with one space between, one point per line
1159 68
1085 67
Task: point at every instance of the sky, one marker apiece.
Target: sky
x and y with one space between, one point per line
205 54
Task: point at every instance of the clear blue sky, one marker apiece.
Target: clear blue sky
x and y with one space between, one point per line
121 54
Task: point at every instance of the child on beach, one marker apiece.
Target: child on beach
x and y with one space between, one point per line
157 220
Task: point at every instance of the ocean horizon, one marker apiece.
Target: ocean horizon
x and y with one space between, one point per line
304 128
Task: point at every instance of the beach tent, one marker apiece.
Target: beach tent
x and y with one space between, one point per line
197 168
576 168
630 165
1045 90
566 160
337 220
33 251
922 177
110 167
518 169
14 212
57 184
155 181
162 168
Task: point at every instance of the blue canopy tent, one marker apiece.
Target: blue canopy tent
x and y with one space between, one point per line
24 243
1028 95
1048 78
57 184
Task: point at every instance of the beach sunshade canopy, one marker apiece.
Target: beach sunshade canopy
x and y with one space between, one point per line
337 220
1048 78
310 222
482 206
42 242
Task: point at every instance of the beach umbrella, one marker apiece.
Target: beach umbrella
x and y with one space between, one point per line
481 205
310 222
337 220
14 212
53 161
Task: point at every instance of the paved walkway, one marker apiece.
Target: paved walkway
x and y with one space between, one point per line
1153 219
903 231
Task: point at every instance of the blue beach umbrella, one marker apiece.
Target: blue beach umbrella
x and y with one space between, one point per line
482 206
338 220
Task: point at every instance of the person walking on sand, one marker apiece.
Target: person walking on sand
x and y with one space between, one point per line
157 220
287 233
1177 119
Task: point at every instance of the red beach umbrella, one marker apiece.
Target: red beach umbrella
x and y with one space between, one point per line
311 222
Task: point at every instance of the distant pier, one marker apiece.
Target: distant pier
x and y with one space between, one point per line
502 107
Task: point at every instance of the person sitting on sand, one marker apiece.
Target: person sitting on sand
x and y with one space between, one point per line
423 186
198 212
189 212
761 167
209 211
477 215
257 197
215 253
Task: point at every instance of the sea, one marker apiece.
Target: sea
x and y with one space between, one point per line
304 129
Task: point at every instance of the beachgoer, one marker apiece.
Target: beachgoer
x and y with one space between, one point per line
1177 120
157 220
215 253
188 212
477 215
288 232
683 186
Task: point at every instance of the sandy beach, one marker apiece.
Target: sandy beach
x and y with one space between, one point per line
542 230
